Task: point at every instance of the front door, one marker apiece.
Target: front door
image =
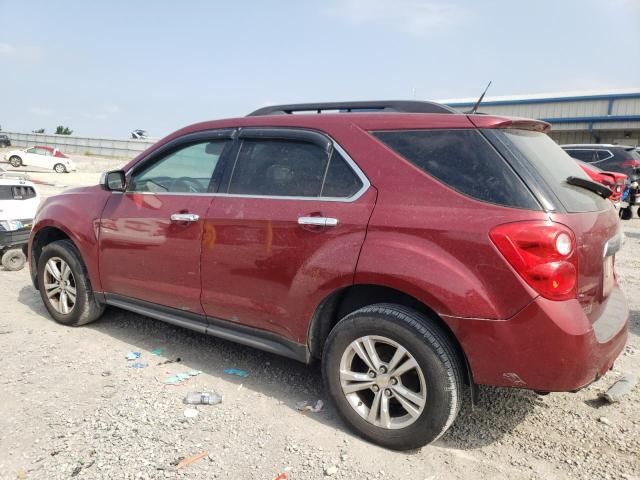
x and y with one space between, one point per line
150 235
284 231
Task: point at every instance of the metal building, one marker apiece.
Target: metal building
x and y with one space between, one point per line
587 117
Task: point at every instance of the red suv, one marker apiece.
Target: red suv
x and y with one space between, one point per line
411 248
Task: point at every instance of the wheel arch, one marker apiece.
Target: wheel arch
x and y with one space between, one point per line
41 239
342 302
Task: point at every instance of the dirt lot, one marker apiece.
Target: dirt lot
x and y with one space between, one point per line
70 405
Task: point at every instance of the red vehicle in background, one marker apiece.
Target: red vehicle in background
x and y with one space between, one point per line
613 180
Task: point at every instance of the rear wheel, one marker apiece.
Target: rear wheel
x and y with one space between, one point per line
13 259
393 375
59 168
64 285
15 161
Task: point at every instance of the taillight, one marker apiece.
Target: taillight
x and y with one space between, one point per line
631 163
543 254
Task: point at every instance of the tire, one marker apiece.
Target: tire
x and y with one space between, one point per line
437 379
13 260
59 168
626 213
15 161
85 308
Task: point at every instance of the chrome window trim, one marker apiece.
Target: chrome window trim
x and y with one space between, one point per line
347 158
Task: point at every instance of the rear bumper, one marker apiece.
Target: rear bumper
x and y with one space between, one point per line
548 346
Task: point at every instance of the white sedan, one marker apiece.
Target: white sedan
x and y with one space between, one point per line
41 157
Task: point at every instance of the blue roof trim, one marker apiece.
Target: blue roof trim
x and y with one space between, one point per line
604 118
581 98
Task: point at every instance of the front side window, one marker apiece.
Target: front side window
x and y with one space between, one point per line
186 170
282 168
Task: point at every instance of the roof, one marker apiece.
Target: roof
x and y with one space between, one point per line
585 95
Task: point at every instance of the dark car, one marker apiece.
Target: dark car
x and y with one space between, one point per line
5 141
613 158
409 248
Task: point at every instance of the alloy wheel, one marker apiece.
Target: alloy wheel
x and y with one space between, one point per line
383 382
60 285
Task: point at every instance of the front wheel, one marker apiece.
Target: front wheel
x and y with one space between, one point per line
394 376
59 168
15 161
64 285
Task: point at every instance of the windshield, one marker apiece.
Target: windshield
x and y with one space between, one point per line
554 165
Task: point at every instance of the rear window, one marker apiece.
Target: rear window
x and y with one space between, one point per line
465 161
553 165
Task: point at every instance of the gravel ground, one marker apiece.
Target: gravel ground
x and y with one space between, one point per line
71 406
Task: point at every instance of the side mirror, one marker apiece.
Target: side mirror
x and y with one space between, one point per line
114 181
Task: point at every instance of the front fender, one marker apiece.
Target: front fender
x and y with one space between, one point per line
77 214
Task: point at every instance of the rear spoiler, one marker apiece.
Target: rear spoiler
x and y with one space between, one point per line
486 121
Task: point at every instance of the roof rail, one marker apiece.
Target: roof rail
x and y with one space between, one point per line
403 106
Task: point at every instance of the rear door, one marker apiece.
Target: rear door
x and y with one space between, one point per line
284 231
151 235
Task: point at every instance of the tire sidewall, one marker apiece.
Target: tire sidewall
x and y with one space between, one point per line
8 255
67 253
63 169
15 161
439 399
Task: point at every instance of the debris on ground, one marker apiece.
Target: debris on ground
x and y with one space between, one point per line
188 461
190 412
181 377
330 471
202 398
604 420
175 360
133 355
138 365
157 352
620 388
237 372
305 407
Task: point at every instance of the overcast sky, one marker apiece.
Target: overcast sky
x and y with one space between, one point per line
105 68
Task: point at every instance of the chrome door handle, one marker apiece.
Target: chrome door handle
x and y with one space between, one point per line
185 217
318 221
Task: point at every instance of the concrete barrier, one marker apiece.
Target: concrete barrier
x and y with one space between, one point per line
105 147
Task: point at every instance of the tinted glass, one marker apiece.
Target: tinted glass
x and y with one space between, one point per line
6 192
584 155
187 170
554 165
603 154
278 168
341 180
463 160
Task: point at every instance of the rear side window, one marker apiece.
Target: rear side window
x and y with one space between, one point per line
552 164
584 155
463 160
341 181
18 192
280 168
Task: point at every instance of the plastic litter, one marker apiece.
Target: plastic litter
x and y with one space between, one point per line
304 407
138 365
157 352
620 388
190 412
202 398
237 372
133 355
189 460
181 377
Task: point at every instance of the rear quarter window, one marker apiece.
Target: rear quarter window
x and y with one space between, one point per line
540 153
463 160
